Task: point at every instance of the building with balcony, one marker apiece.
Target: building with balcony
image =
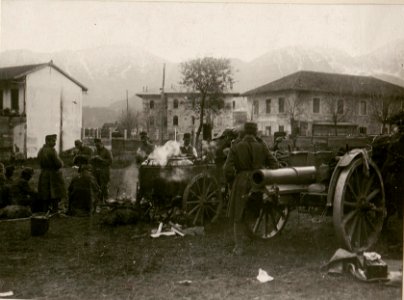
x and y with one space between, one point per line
37 100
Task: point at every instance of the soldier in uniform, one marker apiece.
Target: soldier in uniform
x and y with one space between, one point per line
245 156
101 163
82 154
187 149
21 191
145 148
51 185
83 193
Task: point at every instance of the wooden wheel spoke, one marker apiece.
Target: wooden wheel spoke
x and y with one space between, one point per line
372 195
358 229
209 207
193 209
281 212
274 221
370 223
356 176
351 228
193 202
197 215
369 184
351 189
195 194
348 217
266 222
207 189
208 196
349 204
365 229
258 221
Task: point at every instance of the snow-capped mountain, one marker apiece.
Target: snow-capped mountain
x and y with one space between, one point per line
110 71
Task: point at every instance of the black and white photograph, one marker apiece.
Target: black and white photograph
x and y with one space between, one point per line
201 149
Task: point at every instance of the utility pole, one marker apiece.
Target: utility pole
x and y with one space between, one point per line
163 108
128 129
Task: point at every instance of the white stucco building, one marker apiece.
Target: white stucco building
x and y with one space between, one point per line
37 100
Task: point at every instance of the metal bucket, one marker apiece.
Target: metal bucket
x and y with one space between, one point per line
39 225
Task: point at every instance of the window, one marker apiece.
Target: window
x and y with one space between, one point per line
234 104
340 107
256 107
14 100
193 120
362 108
362 130
316 105
281 128
268 106
175 104
281 105
268 131
175 120
151 104
1 100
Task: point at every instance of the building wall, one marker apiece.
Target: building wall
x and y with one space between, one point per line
301 104
50 95
188 119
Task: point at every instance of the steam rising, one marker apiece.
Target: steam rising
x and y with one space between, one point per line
161 154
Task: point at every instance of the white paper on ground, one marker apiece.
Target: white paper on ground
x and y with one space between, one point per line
263 276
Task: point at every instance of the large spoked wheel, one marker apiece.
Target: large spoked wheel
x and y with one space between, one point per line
265 217
202 199
359 206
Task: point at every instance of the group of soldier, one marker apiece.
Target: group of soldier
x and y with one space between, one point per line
87 189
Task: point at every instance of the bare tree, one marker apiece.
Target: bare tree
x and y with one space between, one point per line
210 77
382 108
130 121
338 109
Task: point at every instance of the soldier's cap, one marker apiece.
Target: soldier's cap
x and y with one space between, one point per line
78 142
143 133
250 128
50 137
97 140
187 136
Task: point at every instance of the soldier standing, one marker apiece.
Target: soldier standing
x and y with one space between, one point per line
245 156
187 149
51 185
101 163
82 154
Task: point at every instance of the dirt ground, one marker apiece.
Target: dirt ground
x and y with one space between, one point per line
79 258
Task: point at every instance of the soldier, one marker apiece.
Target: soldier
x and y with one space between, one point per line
245 156
145 148
393 167
82 154
51 185
101 163
83 193
187 149
21 191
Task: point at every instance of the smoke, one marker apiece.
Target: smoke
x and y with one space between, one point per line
130 176
161 154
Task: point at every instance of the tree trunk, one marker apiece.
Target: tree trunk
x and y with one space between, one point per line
201 115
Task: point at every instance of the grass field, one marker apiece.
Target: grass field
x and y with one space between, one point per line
80 258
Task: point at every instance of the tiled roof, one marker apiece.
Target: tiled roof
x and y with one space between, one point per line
16 72
330 83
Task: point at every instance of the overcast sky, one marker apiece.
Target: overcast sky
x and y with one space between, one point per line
178 31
